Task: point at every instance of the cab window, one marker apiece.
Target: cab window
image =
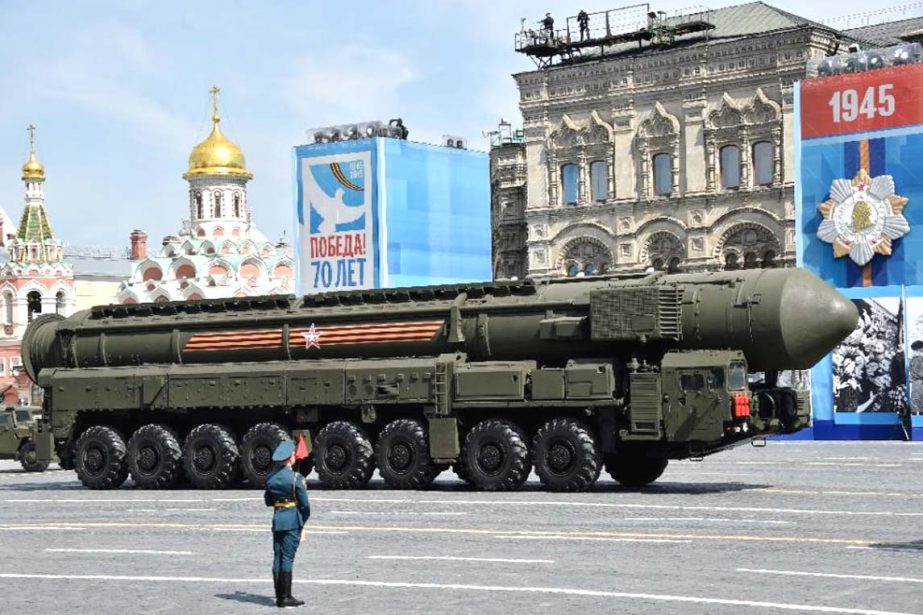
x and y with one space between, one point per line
692 382
4 419
23 416
737 376
716 378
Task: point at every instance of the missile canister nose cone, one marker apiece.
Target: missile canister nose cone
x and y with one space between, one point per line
815 318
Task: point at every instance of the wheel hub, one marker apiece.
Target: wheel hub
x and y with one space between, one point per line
336 457
560 457
204 458
147 459
400 456
93 460
262 458
490 457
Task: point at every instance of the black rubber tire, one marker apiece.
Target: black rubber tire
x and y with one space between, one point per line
256 451
66 454
634 470
155 457
211 458
27 459
566 456
402 454
101 458
496 456
343 456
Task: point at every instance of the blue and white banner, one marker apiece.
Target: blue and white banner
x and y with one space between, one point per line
336 222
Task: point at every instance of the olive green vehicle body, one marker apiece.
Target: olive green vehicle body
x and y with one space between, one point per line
18 427
653 363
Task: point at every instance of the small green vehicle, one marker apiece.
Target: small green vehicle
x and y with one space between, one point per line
17 441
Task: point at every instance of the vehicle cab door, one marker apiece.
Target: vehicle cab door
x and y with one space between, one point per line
9 441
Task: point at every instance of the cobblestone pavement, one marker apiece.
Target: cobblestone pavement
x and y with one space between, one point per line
793 527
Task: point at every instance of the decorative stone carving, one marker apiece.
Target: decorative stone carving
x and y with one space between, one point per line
585 255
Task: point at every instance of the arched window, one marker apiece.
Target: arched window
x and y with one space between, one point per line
218 205
663 175
59 300
599 181
762 163
730 262
34 303
236 204
200 211
730 167
8 304
569 183
769 260
657 264
673 265
750 261
572 269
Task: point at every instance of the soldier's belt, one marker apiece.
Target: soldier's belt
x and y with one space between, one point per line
284 505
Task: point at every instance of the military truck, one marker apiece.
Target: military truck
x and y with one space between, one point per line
567 376
17 430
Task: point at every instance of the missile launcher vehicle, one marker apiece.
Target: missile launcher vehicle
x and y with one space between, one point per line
564 376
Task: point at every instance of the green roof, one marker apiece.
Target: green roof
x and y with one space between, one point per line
34 224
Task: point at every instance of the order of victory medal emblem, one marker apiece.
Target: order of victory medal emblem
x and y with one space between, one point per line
862 217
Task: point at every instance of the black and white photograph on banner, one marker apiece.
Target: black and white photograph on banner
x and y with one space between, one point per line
915 339
868 367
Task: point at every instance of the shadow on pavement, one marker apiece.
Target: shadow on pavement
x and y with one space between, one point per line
248 598
915 546
666 488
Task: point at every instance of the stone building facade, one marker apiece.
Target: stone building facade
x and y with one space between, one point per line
676 156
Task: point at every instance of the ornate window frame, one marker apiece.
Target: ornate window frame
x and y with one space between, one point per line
766 242
743 126
574 144
601 257
651 252
658 134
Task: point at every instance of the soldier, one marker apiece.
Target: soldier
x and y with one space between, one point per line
287 494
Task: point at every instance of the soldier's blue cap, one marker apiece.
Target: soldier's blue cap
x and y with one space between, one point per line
283 451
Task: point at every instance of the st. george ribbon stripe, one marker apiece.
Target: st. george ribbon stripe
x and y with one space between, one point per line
334 335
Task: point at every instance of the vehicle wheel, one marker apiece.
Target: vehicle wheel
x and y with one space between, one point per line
27 459
101 458
343 456
66 453
402 453
210 457
155 459
496 456
256 451
565 456
634 470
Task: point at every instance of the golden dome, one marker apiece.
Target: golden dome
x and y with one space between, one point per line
217 155
33 169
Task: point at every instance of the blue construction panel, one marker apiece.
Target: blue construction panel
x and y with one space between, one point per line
383 212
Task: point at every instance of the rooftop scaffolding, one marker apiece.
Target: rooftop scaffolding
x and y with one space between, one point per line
606 29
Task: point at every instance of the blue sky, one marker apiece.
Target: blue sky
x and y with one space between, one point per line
119 91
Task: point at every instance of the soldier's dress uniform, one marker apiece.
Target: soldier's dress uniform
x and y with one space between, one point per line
287 494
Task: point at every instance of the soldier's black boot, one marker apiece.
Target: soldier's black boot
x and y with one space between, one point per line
275 585
285 586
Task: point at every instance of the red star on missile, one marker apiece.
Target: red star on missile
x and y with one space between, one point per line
312 337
